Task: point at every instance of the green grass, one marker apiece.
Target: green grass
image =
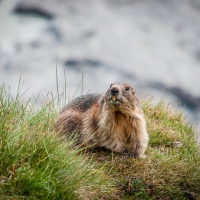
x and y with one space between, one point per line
37 163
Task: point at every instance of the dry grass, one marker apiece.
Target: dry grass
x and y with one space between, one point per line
172 167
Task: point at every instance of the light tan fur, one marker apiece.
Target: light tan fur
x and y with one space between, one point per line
114 120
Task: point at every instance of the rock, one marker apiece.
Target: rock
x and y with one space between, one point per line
32 9
184 97
177 144
84 62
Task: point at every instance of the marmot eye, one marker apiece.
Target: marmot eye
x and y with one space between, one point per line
127 88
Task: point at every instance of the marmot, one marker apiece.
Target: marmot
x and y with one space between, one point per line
113 120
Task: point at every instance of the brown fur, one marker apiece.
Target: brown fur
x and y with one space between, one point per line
114 120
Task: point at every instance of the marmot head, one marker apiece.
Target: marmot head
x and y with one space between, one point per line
121 97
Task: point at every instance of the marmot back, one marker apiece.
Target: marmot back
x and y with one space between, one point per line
113 120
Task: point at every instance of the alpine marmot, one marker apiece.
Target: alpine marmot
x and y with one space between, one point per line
114 120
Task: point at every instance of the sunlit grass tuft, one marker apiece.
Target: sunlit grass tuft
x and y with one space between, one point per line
35 163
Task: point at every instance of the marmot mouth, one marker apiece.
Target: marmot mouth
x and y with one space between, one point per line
114 100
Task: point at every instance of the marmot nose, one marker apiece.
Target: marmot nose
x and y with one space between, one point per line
114 91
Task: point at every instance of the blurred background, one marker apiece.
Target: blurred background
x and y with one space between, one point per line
152 44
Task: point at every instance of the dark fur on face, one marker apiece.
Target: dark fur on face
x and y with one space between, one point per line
121 97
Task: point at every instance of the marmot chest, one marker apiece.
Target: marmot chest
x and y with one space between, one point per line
119 126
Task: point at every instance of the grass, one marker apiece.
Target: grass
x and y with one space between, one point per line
172 167
37 163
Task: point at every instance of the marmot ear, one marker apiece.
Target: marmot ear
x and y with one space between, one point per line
133 91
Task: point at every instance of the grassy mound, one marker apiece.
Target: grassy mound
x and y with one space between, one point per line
172 167
36 163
